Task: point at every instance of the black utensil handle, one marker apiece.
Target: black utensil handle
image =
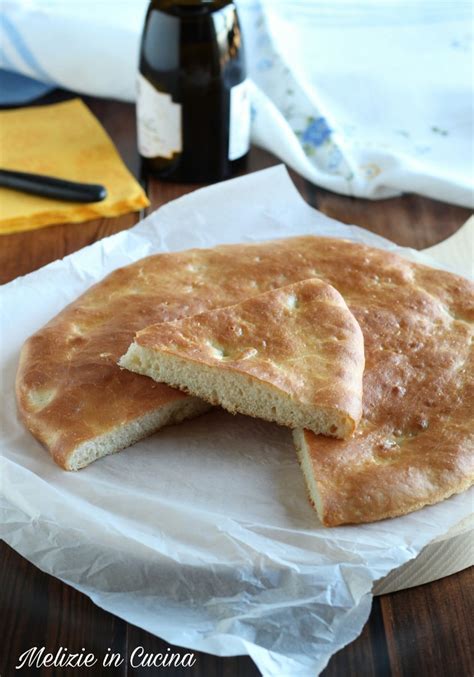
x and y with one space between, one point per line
49 186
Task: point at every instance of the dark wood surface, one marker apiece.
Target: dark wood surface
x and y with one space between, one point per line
426 631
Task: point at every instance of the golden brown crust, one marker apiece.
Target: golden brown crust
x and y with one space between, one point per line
415 443
300 341
417 325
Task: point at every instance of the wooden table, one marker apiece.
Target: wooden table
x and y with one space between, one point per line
425 631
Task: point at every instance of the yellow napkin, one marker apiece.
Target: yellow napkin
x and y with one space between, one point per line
63 140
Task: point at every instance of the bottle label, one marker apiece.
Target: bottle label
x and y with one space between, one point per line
239 123
158 122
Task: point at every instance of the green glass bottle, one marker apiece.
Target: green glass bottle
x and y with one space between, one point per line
193 108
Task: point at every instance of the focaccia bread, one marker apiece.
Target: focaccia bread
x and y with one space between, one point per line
418 385
293 355
415 443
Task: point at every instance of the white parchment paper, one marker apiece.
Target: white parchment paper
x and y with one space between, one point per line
202 534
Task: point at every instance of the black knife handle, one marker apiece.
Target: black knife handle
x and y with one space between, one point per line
49 186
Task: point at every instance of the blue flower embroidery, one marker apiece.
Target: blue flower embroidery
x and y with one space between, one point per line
316 132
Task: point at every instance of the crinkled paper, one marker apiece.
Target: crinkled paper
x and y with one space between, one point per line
201 534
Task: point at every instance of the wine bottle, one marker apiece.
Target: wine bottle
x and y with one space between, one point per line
193 108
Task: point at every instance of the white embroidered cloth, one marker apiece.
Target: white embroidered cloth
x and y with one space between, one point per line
366 98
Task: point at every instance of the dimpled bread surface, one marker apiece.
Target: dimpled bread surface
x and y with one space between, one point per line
294 355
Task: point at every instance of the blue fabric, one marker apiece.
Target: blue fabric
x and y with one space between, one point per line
22 49
16 89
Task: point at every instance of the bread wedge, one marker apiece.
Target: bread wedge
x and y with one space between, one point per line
294 355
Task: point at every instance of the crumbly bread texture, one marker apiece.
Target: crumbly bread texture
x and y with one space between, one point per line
125 435
293 355
414 444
